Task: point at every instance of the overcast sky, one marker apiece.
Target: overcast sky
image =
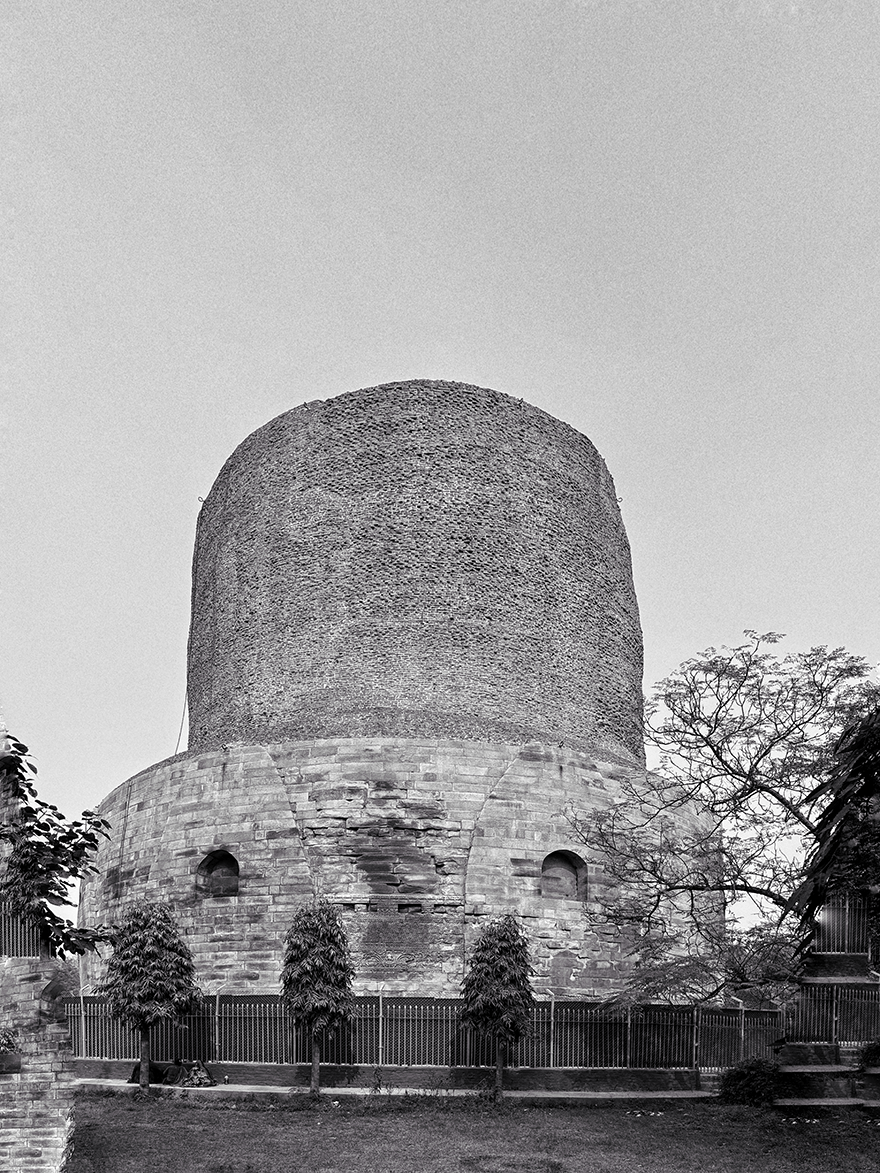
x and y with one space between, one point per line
655 220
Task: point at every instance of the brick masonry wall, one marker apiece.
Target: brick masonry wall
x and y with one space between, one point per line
419 559
36 1104
417 840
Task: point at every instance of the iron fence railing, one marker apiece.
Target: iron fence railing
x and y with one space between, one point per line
842 924
839 1013
399 1032
18 937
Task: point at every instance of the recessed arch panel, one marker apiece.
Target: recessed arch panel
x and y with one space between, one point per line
218 874
564 876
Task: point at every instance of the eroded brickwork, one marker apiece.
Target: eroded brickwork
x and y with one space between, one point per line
419 559
417 840
36 1104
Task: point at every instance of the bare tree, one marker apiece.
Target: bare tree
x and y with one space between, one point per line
743 737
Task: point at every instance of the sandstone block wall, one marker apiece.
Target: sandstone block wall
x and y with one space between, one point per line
416 839
419 559
36 1104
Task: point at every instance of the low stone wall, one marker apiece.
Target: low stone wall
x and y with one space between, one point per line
36 1104
437 1079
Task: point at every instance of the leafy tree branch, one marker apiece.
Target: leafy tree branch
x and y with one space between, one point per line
747 741
46 853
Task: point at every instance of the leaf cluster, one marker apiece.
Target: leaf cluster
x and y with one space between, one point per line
869 1055
46 853
150 975
316 978
757 966
497 990
846 853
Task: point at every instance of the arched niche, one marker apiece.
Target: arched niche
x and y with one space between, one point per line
564 876
217 874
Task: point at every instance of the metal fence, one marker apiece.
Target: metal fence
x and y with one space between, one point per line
402 1032
844 1013
18 937
842 925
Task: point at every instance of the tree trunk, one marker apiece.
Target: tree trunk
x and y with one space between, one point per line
145 1060
499 1068
315 1084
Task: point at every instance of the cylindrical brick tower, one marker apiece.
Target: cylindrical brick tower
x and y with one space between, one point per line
415 649
419 559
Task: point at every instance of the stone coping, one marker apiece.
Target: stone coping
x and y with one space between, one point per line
262 1093
818 1068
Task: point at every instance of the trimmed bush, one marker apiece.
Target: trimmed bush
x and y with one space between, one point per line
754 1082
869 1055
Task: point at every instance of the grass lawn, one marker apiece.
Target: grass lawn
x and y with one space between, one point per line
118 1135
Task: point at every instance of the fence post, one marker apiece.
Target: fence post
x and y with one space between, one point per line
742 1029
83 1039
552 1030
695 1051
217 1027
381 1032
627 1042
835 1012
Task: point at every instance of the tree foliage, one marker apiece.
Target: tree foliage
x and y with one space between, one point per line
150 976
317 974
497 988
757 965
316 978
46 854
846 851
745 738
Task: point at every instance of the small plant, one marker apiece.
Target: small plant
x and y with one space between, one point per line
869 1055
8 1039
753 1082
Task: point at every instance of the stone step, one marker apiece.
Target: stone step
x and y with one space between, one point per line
817 1068
809 1083
819 1102
812 1054
825 1084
